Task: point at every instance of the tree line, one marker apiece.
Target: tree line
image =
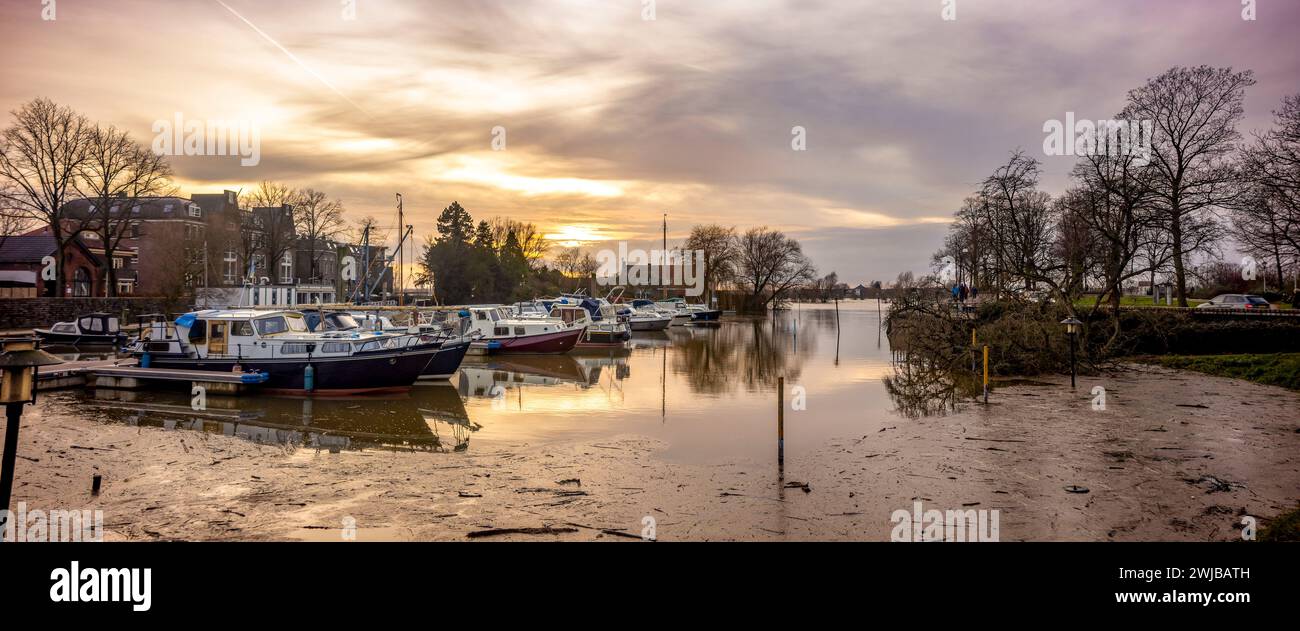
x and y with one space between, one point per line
494 261
51 155
1141 215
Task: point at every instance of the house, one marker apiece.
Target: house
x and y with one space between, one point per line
23 263
152 228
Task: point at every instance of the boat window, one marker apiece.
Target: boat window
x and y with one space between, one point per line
501 330
272 326
495 316
342 321
241 327
218 331
297 323
335 347
295 349
199 332
92 325
64 327
479 315
519 330
372 345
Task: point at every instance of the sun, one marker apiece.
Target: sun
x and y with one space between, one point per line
574 235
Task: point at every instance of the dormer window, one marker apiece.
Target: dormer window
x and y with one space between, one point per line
135 210
195 211
167 210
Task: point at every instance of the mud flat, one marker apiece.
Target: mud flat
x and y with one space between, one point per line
1173 456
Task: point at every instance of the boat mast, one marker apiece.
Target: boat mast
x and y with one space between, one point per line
401 250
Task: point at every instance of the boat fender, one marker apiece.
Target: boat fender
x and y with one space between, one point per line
309 378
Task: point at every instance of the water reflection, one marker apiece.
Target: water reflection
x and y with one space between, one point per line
708 393
922 386
431 418
746 355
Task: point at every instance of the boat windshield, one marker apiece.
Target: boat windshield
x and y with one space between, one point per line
342 321
274 325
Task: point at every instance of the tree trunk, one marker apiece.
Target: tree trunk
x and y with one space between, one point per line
1180 273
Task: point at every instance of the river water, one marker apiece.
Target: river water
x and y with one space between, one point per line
708 392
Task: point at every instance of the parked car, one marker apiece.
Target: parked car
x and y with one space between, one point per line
1235 301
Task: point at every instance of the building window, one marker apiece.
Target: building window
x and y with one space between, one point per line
326 267
194 211
118 262
230 266
167 210
124 287
135 210
259 264
81 282
286 268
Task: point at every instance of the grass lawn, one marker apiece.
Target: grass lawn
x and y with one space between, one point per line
1286 527
1132 301
1147 301
1281 369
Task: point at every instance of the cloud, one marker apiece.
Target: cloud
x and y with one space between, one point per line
613 120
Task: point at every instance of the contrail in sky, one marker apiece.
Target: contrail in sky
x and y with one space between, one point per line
292 56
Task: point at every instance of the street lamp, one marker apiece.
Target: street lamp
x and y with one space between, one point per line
19 359
1072 330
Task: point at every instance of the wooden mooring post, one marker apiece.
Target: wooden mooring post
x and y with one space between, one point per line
780 421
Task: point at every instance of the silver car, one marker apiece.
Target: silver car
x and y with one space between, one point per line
1235 301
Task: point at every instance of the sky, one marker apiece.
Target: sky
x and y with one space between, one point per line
592 121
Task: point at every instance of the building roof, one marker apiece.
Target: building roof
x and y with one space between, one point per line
32 247
26 249
140 208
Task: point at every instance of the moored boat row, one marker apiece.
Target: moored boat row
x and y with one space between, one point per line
352 351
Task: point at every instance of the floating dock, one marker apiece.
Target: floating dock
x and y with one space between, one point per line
119 374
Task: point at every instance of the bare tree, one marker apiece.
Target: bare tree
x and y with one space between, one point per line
721 251
1267 218
770 265
276 194
41 154
1115 199
1195 112
116 174
317 219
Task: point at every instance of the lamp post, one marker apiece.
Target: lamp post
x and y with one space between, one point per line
19 359
1072 330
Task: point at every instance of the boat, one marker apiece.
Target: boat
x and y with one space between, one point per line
278 343
501 332
607 325
450 335
87 330
697 313
646 316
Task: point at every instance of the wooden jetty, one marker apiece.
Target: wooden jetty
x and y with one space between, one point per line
125 374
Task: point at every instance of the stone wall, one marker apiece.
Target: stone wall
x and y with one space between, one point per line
27 313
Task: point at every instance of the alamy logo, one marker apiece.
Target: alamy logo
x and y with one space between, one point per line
51 525
95 585
197 137
638 268
1249 268
950 525
1114 138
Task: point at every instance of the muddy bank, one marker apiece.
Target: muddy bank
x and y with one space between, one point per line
1174 456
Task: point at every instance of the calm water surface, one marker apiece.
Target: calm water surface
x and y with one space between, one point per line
708 392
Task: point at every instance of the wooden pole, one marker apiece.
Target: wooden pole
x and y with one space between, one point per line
780 421
986 373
